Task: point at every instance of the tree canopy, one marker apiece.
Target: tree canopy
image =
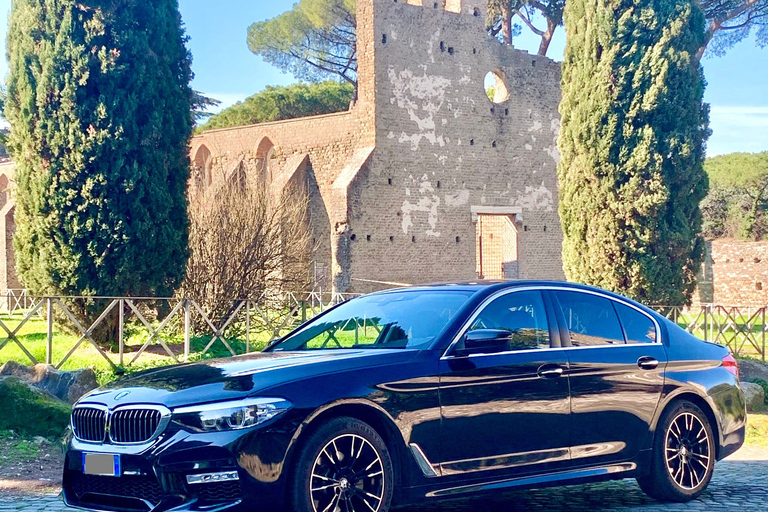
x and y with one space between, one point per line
280 103
632 142
727 21
737 205
99 102
314 41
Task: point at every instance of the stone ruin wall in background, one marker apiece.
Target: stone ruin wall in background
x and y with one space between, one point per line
735 274
397 183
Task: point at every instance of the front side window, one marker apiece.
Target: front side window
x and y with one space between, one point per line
521 313
407 319
591 319
639 328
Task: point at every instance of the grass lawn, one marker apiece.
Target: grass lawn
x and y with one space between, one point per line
33 335
757 430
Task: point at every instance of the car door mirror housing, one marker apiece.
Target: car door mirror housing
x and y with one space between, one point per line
485 341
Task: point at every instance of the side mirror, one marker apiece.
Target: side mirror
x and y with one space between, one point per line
485 341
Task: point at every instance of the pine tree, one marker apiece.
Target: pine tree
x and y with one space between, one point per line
99 103
632 142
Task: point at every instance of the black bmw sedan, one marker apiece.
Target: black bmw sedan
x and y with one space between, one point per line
418 394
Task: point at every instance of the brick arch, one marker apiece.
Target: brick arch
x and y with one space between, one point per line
265 151
202 166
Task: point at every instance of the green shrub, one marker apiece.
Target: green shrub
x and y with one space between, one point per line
763 384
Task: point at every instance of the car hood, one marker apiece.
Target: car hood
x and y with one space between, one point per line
237 377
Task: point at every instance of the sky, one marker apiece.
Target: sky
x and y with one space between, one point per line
226 70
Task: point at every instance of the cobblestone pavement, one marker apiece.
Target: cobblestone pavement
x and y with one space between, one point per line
738 485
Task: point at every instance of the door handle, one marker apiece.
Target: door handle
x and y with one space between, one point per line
648 363
550 372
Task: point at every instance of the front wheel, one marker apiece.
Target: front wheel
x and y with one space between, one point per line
344 467
683 455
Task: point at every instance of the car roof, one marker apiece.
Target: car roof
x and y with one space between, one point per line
485 288
492 286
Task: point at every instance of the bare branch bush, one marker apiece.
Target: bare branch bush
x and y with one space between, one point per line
245 244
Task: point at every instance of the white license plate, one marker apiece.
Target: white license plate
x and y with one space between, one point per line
101 464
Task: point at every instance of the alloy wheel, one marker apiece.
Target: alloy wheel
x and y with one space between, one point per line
688 454
348 476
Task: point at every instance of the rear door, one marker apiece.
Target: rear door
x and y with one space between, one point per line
616 375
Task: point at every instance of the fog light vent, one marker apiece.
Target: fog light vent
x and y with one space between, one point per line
209 478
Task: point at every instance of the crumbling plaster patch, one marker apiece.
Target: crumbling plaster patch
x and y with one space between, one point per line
428 203
422 97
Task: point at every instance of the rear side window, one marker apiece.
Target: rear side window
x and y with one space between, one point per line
591 319
639 328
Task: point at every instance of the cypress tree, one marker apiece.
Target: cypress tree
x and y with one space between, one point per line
99 102
632 142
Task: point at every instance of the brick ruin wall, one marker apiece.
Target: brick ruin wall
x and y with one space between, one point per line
397 181
735 273
443 149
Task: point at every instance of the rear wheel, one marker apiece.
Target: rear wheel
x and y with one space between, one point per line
683 455
344 467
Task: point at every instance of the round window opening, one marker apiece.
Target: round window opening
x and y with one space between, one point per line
496 87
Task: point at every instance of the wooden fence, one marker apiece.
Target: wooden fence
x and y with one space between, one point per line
260 319
166 323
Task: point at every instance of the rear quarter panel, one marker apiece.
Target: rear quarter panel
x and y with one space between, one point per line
695 370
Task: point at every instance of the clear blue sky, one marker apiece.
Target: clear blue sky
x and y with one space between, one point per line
225 69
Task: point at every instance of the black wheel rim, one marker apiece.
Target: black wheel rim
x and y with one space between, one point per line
688 451
348 476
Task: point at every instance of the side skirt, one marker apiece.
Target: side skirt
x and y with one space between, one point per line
610 472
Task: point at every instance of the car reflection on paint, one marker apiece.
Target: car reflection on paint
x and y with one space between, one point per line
418 394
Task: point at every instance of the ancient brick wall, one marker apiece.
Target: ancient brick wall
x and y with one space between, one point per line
8 277
397 182
443 148
735 273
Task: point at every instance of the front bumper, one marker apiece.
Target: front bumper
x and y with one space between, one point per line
154 476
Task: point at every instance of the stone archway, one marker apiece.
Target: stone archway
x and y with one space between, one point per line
265 153
202 167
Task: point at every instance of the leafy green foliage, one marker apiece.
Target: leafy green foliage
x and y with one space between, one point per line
531 13
100 108
279 103
737 205
314 41
763 384
201 105
632 143
728 21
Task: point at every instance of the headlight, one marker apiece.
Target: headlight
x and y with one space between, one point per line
235 415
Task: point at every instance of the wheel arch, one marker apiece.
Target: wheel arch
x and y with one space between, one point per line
703 404
362 410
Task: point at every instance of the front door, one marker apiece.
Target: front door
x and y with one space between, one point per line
507 412
616 375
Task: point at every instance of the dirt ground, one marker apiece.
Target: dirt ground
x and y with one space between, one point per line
29 467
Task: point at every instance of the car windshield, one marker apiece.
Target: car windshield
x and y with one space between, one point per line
407 319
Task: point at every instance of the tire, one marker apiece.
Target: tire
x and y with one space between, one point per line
344 465
683 459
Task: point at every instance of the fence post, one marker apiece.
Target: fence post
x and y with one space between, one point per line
248 327
49 344
121 325
303 311
187 328
765 329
